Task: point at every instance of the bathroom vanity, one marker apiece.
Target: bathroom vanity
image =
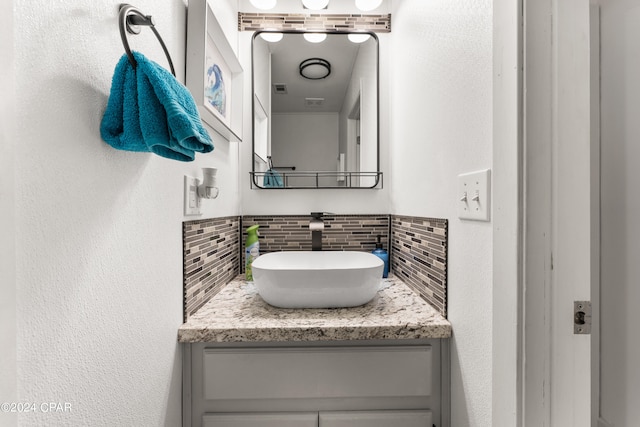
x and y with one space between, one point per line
248 364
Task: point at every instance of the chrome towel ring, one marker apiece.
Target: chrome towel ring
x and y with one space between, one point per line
130 19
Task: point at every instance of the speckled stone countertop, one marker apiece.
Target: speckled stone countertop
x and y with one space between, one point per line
238 314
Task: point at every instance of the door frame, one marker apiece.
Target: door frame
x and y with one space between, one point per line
537 362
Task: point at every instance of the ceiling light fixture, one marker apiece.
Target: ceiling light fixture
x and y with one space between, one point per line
315 37
263 4
315 4
367 5
315 68
358 38
271 37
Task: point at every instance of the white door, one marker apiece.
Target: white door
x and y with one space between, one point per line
309 419
575 207
561 212
376 419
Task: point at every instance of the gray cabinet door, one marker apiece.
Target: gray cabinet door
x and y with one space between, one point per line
303 419
318 373
375 419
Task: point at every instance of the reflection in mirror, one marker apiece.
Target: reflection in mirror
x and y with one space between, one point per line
315 111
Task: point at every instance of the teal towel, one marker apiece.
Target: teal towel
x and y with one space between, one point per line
120 125
156 110
272 179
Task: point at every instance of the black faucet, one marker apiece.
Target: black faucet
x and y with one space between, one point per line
316 225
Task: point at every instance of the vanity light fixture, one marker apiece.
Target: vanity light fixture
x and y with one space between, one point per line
315 4
208 188
368 5
358 38
263 4
271 37
315 68
315 37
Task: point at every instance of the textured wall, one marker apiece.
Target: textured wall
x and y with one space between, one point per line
98 250
440 114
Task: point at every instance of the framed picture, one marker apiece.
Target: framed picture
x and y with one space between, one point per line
214 74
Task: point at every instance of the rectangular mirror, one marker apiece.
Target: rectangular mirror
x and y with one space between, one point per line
315 110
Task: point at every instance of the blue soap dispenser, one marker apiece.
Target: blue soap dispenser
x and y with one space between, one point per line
383 255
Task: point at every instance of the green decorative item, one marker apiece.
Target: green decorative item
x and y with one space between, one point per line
251 250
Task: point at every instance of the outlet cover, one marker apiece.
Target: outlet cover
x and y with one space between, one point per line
191 199
474 195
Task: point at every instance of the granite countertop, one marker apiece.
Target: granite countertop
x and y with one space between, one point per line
238 314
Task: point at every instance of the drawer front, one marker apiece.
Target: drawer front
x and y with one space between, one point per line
340 372
376 419
307 419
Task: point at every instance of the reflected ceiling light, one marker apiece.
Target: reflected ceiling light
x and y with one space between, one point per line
367 5
263 4
315 4
315 68
358 38
315 37
271 37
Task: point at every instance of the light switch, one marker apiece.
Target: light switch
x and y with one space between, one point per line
191 200
474 195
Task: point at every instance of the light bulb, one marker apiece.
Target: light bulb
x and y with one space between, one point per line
358 38
315 4
315 37
272 37
263 4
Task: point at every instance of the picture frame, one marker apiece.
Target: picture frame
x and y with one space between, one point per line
214 74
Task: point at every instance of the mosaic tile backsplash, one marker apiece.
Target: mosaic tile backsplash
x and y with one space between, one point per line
341 232
211 259
313 21
213 249
419 257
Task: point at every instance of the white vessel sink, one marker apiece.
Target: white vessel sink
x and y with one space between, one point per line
322 279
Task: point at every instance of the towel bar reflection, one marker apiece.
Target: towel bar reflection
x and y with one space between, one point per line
130 18
270 161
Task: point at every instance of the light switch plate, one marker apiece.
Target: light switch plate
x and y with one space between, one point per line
474 195
191 200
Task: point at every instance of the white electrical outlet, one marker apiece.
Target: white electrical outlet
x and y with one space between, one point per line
191 199
474 195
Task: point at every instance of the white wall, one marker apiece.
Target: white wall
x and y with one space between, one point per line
440 126
262 100
98 251
363 85
318 151
620 210
8 327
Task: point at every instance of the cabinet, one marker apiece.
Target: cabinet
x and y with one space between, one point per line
261 420
321 419
328 384
375 419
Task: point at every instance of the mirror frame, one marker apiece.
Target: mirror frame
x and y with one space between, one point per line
378 183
